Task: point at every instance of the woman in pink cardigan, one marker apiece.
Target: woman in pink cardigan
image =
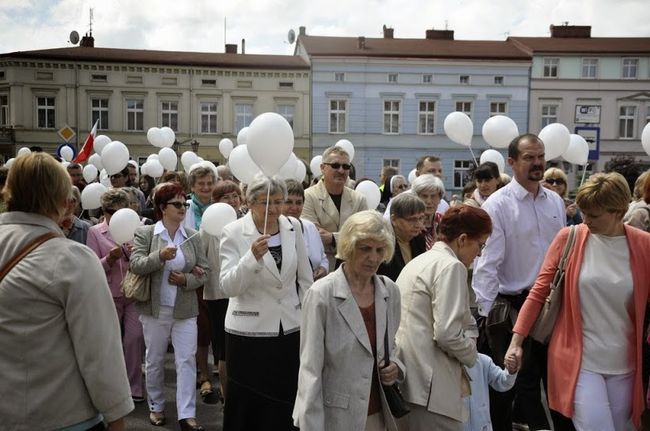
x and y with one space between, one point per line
115 260
594 354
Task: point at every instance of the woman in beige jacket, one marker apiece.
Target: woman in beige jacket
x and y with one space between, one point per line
431 340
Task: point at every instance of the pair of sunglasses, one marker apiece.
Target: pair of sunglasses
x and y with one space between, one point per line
179 205
337 166
553 181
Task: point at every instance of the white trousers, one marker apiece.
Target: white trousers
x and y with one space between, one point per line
183 333
602 402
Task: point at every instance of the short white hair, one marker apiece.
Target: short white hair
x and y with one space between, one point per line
428 183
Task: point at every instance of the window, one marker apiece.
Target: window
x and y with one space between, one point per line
392 78
464 79
98 78
169 112
391 116
3 76
208 117
549 115
338 115
630 67
426 118
589 67
626 122
498 108
461 172
427 78
209 82
45 112
287 111
339 76
465 107
243 115
134 114
99 111
550 67
498 80
4 110
393 163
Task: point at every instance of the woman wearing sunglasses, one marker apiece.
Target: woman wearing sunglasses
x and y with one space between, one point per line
115 261
174 258
555 179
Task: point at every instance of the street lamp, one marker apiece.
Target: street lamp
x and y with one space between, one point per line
195 145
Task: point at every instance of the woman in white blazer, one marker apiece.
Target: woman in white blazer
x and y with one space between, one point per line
347 316
431 340
265 272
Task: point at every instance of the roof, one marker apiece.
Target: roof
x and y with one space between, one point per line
595 45
178 58
412 48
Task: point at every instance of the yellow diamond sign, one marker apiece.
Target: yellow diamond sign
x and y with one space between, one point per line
66 133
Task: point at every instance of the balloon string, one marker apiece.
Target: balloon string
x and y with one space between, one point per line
266 213
584 173
189 238
473 156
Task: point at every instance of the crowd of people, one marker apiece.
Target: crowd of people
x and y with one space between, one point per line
316 308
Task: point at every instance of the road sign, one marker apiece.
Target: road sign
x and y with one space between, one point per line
66 133
592 136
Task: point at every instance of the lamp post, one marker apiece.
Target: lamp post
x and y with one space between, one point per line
176 146
195 145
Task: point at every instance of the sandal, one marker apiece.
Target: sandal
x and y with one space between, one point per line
157 418
207 393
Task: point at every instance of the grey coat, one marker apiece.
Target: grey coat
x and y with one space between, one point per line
145 261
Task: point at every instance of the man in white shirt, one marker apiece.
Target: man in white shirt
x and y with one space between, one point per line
525 218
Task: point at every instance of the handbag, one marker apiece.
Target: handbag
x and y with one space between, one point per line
25 251
135 286
543 327
394 398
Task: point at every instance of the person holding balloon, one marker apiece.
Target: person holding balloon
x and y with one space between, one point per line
173 256
115 261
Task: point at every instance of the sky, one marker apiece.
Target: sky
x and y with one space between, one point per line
198 25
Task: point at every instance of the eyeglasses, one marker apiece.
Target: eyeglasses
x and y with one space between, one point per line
179 205
416 219
402 186
337 166
553 181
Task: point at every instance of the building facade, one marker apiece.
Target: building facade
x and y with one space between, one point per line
203 97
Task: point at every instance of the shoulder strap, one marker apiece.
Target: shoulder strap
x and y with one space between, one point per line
25 251
567 247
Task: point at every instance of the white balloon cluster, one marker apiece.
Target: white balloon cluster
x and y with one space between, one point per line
163 137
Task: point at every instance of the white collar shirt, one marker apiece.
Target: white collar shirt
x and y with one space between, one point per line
167 290
523 226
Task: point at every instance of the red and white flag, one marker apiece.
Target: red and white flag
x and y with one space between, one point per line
88 146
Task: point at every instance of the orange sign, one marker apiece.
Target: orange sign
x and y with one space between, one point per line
66 133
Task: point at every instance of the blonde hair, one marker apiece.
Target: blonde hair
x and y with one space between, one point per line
364 225
608 192
38 183
555 173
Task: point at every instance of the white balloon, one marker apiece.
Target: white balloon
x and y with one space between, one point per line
10 162
225 147
241 165
288 170
347 146
153 156
123 225
115 157
154 136
556 138
134 163
67 153
209 164
301 171
371 192
65 164
459 128
167 158
155 168
168 137
24 151
90 173
216 216
578 150
411 176
499 130
100 142
242 136
96 161
645 138
270 142
104 178
144 169
91 196
495 157
188 158
314 165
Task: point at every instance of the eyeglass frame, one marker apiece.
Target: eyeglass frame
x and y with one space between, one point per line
178 205
336 166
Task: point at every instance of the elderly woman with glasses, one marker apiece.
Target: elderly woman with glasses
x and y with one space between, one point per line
430 189
174 258
393 186
555 179
348 317
115 261
265 272
407 218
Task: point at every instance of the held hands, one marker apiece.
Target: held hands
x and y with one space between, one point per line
167 253
198 272
388 375
177 278
260 246
319 273
512 359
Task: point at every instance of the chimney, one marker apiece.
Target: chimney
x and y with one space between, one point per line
361 42
243 46
302 30
88 41
440 34
231 48
388 32
573 31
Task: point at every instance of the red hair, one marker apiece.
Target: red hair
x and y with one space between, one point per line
465 219
164 194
